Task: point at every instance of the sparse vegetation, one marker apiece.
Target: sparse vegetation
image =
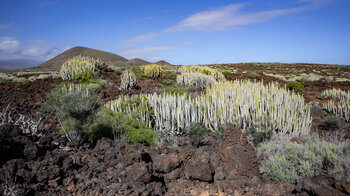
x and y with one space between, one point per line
84 77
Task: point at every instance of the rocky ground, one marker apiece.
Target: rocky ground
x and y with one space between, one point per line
50 165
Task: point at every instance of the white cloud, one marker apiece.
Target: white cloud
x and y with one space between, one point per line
230 16
146 53
142 37
11 48
8 44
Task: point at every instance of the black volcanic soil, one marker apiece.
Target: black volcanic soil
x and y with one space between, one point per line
50 165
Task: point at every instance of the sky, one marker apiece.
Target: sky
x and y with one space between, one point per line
180 31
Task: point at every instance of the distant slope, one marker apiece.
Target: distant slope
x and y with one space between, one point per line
137 62
18 64
107 57
162 63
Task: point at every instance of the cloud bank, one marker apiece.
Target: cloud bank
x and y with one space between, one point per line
40 50
231 16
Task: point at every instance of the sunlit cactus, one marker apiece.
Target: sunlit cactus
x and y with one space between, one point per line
152 70
77 65
336 94
219 77
128 80
240 102
197 80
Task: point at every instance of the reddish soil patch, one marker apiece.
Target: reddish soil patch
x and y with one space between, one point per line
26 97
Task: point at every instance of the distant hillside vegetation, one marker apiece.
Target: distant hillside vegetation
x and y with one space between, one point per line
107 57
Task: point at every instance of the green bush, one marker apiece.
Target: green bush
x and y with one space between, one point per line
108 124
330 123
143 136
226 73
294 161
168 82
196 132
169 76
251 74
295 86
75 107
177 89
260 132
84 78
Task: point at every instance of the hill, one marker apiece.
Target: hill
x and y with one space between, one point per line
162 62
56 62
137 62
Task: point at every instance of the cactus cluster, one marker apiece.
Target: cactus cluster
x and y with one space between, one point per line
240 102
197 80
152 70
77 65
336 94
128 80
339 103
219 77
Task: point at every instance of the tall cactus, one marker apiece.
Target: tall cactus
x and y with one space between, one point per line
77 65
240 102
128 80
152 70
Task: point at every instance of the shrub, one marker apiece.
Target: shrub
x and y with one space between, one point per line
108 124
295 86
152 70
311 156
128 80
226 73
78 64
330 123
167 82
176 89
75 107
196 80
169 76
143 136
44 76
84 77
196 132
251 74
261 131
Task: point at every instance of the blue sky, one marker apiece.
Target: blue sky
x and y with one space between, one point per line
180 31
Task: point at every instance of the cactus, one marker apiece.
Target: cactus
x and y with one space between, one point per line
239 102
197 80
152 70
219 77
128 80
336 94
339 104
77 65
